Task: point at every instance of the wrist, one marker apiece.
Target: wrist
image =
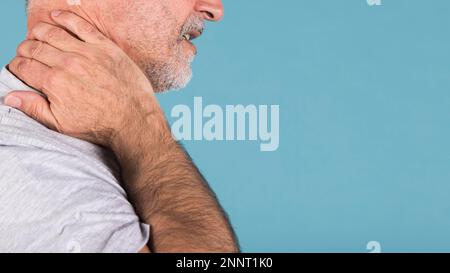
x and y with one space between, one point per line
140 128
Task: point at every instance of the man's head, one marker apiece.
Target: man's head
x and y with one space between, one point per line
154 33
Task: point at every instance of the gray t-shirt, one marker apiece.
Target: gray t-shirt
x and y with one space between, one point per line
58 193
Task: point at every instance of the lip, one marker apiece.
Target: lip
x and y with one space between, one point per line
195 34
191 44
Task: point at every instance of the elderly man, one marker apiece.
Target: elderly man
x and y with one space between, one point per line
88 162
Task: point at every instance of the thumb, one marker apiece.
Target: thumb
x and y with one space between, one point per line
32 104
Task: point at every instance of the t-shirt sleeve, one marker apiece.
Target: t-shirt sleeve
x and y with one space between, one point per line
55 202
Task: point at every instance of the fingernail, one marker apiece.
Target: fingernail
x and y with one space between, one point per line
56 13
12 101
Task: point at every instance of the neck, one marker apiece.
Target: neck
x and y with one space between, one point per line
39 11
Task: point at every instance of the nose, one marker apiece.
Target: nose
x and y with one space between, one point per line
212 10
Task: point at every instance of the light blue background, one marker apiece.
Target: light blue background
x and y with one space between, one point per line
364 94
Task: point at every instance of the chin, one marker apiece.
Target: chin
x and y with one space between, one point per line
168 69
168 78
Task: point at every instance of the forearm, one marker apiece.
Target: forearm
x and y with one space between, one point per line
169 192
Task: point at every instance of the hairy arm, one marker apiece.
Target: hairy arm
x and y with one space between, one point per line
168 191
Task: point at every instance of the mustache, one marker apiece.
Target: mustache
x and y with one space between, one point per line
193 23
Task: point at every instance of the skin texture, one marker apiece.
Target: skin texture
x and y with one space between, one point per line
96 90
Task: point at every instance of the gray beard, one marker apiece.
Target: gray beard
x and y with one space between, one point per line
173 74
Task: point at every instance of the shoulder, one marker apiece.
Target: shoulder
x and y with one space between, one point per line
57 191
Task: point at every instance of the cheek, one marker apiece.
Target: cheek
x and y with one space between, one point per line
149 29
181 9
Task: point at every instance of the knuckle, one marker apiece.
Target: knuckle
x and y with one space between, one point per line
22 64
36 30
35 111
54 33
36 48
21 48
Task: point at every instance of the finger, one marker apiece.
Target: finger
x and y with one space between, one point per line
32 72
34 105
56 37
78 26
50 56
41 52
